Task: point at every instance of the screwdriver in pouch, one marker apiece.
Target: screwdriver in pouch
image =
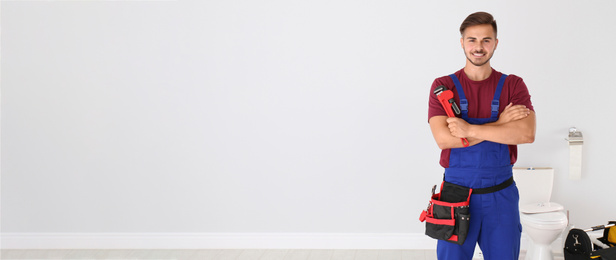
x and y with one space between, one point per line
445 96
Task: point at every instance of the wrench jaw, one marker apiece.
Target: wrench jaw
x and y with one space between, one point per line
438 90
454 106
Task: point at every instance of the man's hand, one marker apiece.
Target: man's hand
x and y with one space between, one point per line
513 113
458 127
442 134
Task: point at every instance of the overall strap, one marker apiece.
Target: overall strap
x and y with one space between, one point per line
463 100
497 94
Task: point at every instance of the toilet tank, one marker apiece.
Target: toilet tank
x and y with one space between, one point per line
534 184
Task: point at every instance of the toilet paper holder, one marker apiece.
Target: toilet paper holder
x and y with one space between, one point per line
575 137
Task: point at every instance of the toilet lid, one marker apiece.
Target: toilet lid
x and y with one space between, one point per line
541 207
554 217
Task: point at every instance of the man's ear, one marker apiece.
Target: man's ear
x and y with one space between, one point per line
462 42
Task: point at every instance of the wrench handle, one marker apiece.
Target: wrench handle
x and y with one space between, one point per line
464 142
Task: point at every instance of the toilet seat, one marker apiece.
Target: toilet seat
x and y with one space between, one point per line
546 220
541 207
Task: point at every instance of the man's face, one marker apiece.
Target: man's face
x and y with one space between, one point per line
479 43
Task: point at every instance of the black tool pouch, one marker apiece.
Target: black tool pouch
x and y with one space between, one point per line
578 245
447 216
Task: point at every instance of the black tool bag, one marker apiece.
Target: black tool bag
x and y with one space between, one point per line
447 216
578 245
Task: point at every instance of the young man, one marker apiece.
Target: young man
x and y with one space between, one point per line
497 114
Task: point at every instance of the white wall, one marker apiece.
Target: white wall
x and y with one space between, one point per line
275 116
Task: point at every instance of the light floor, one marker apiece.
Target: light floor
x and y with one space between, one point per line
225 254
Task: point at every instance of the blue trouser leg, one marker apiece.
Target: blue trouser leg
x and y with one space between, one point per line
501 231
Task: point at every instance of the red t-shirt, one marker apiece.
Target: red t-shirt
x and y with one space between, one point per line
480 95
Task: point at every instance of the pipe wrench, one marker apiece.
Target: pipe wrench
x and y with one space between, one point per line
445 96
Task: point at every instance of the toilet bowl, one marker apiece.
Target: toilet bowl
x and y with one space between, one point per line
543 229
543 221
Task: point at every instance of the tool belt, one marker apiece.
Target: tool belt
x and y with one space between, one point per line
447 216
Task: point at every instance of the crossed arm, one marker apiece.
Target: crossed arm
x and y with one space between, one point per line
515 125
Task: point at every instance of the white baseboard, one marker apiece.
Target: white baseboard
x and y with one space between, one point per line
216 240
225 241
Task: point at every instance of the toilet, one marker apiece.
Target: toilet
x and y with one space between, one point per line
542 220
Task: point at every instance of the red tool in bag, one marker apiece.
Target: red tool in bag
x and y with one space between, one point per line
445 96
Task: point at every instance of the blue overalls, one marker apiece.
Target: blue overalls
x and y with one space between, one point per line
495 218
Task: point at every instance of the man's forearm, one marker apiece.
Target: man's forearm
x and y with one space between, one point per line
443 137
515 132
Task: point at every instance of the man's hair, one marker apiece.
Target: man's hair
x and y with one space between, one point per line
478 18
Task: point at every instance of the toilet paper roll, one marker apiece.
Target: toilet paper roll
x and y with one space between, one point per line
575 161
